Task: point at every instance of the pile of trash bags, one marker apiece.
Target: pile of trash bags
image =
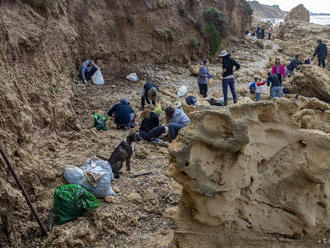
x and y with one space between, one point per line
95 176
72 201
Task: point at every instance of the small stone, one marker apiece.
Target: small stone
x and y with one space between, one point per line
109 199
135 197
115 188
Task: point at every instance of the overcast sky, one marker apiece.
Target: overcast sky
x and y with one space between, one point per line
316 6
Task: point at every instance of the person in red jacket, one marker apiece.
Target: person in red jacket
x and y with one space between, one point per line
279 69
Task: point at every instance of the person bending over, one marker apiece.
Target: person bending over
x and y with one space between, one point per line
87 70
123 114
150 92
294 64
177 120
150 129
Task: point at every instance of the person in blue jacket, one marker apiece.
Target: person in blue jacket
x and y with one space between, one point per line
202 78
177 120
321 51
87 70
123 114
294 64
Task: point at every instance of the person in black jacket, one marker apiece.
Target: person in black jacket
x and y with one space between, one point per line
123 113
276 85
321 51
228 76
150 129
150 92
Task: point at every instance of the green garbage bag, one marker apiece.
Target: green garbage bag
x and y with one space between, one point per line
72 201
99 121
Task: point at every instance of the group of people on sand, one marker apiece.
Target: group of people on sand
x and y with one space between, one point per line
261 32
124 115
152 130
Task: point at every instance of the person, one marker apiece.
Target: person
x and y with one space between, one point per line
279 69
123 114
215 102
258 31
276 85
191 100
294 64
150 129
202 78
270 31
177 120
256 85
228 75
262 33
321 51
150 92
87 70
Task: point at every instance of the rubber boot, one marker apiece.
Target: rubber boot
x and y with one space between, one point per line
235 100
225 103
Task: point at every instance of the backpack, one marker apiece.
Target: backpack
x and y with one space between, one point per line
252 88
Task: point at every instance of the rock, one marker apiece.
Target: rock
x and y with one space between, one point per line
260 44
109 199
299 13
263 166
194 69
312 82
116 189
135 198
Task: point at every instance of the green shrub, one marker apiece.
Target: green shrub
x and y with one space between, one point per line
129 20
247 7
169 34
215 27
194 42
73 72
214 38
215 16
181 10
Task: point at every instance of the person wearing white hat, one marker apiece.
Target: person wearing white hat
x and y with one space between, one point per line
228 76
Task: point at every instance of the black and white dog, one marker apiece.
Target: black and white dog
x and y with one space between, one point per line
123 153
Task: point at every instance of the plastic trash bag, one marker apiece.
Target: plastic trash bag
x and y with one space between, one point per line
182 91
99 121
96 176
72 201
158 109
97 78
132 77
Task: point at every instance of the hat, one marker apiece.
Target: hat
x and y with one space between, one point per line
223 53
319 41
124 101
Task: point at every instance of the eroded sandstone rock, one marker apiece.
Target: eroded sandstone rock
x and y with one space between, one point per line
299 13
255 171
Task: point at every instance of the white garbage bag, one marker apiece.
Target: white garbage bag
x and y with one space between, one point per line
97 78
96 176
182 91
132 77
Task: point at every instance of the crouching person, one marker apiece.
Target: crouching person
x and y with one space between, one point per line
150 129
123 114
177 120
87 70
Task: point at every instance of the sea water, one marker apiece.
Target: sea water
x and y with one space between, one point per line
316 19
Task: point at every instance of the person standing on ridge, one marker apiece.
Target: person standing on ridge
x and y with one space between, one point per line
228 76
258 31
270 31
202 78
321 51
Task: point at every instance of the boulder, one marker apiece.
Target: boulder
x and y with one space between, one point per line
298 14
194 69
312 82
254 171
